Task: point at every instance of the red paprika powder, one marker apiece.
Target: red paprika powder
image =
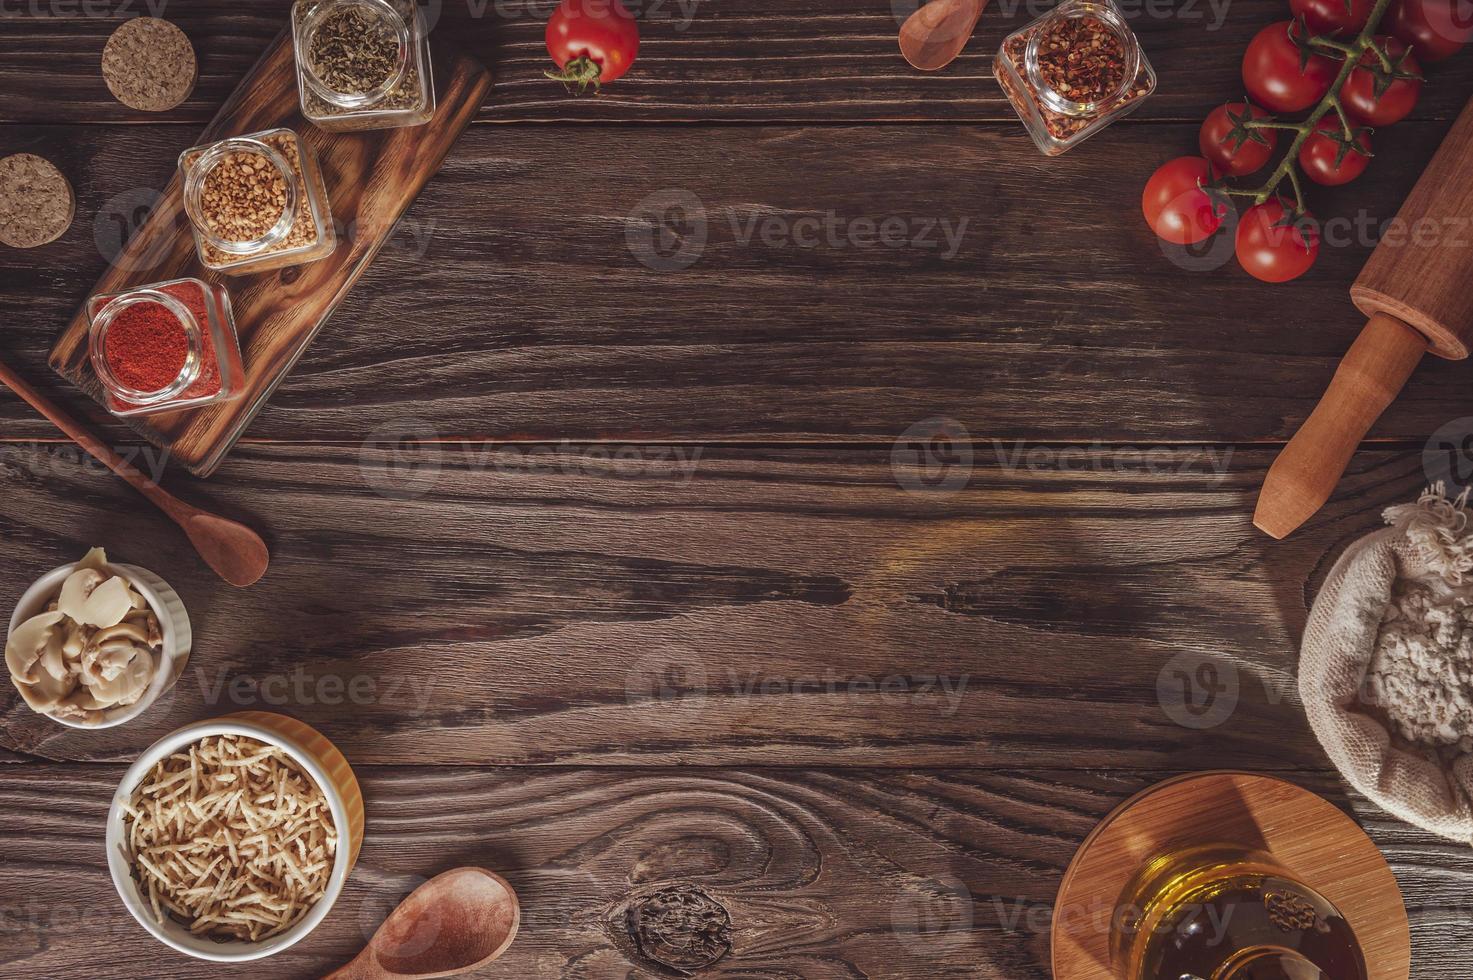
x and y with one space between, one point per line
147 345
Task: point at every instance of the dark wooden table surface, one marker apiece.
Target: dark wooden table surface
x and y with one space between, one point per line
610 543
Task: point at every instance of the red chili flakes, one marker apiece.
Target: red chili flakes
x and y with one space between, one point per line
1081 59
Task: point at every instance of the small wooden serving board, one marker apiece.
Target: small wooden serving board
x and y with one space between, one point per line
371 180
1305 833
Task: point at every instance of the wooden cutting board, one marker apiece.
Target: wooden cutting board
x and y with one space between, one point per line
371 179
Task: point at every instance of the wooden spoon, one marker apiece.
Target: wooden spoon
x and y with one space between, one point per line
233 550
452 924
935 34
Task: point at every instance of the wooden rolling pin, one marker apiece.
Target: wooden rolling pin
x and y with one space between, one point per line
1417 289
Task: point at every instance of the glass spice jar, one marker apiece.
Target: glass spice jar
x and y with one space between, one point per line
165 347
257 202
362 64
1072 72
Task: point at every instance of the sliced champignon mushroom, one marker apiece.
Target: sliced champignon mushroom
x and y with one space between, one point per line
117 672
95 558
46 692
96 647
131 631
25 647
92 600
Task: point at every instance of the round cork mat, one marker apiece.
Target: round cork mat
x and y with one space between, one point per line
1305 833
149 64
36 201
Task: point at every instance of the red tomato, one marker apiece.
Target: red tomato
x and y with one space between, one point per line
1435 29
1359 95
1175 205
1272 252
1328 158
1274 77
592 42
1329 16
1234 150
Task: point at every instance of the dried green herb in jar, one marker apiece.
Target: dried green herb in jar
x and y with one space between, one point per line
362 64
353 52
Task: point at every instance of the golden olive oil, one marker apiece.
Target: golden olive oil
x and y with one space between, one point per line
1228 914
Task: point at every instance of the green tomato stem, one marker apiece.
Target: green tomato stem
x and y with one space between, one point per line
1331 100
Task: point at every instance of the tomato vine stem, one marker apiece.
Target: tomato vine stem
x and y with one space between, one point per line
1352 51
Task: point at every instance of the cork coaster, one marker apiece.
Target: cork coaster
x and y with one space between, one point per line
149 64
36 201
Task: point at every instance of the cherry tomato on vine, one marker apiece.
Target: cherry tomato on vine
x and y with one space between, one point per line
1272 251
1275 75
1365 99
1435 29
1329 158
1329 16
592 42
1232 148
1175 205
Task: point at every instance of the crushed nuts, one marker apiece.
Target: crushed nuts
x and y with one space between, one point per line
240 195
244 196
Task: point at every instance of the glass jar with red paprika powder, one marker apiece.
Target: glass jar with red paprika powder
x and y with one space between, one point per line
165 347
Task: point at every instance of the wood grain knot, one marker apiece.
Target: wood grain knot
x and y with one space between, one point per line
680 927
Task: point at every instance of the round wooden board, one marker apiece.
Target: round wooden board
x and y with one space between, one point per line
1308 835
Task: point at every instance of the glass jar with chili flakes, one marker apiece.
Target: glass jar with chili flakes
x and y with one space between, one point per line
1072 72
165 347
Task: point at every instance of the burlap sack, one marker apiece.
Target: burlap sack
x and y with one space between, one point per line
1426 539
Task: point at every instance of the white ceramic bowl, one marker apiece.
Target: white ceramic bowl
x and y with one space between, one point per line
309 749
173 623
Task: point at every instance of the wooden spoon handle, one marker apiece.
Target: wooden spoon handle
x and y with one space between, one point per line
165 501
1369 378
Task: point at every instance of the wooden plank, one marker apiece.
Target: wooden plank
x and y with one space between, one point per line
714 60
823 873
370 179
511 303
687 605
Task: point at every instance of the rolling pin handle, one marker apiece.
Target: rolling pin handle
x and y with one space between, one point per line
1369 378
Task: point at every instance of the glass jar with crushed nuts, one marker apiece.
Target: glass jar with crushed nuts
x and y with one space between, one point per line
1072 72
362 64
257 202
